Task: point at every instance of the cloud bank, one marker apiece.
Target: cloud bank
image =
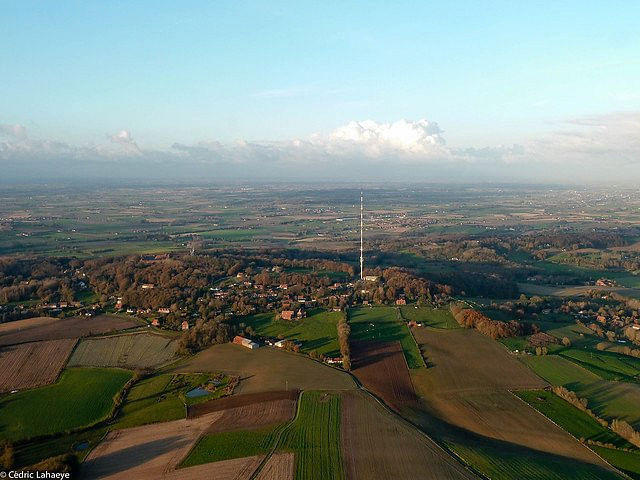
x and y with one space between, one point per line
585 149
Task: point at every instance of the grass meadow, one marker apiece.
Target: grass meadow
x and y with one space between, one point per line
317 331
81 397
383 324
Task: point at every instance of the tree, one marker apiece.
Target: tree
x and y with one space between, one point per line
6 455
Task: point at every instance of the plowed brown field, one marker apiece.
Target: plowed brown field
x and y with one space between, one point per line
279 467
468 388
382 369
377 445
151 451
235 401
45 328
34 364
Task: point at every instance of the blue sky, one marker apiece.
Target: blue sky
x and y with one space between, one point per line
489 73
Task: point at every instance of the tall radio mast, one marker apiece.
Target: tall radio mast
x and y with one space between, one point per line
361 249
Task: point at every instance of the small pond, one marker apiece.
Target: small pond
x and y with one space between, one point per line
197 392
79 447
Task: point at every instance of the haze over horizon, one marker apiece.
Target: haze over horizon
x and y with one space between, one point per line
267 91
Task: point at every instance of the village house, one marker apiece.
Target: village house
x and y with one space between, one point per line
164 310
185 325
401 301
147 286
155 322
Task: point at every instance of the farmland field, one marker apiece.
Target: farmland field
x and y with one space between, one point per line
81 397
381 324
140 350
467 360
573 420
35 364
626 461
560 371
315 332
608 365
266 369
382 369
431 317
606 398
505 463
160 398
215 447
466 397
45 328
280 466
255 415
154 451
315 437
377 445
237 401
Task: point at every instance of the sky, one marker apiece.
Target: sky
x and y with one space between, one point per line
300 90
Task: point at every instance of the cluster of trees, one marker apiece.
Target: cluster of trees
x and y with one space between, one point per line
205 333
344 331
470 318
6 456
571 240
48 280
626 431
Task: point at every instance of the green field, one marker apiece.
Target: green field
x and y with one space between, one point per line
608 365
575 421
30 453
81 397
431 317
315 332
314 436
608 399
161 398
382 324
560 371
228 445
626 461
508 464
140 350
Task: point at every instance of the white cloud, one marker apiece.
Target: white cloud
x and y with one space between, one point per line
124 138
585 148
16 130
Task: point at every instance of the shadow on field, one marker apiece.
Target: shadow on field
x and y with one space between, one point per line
510 455
130 457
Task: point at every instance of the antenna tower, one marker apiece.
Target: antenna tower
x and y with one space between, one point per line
361 249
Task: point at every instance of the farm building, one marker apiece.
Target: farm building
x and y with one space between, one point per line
334 361
293 314
245 342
